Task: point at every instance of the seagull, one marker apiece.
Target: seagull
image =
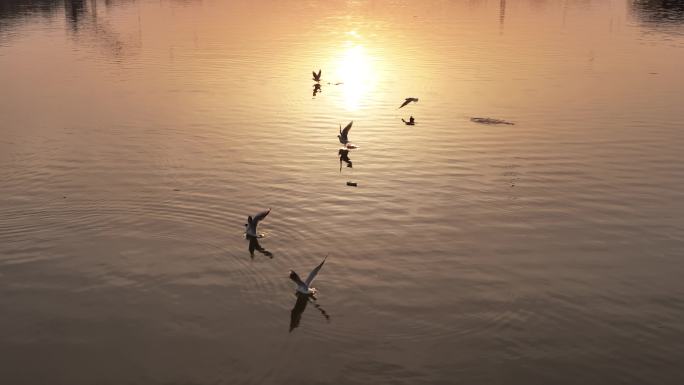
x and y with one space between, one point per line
303 286
317 76
343 133
408 100
252 223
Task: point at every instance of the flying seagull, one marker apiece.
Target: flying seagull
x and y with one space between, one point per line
252 223
303 286
317 76
408 100
343 133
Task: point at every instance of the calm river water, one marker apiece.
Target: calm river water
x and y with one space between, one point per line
137 136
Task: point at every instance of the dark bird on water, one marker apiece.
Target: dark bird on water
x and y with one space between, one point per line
408 100
316 76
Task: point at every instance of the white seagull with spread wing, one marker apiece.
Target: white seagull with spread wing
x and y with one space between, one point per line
251 225
304 286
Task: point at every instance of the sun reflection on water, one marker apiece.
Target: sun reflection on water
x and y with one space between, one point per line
355 70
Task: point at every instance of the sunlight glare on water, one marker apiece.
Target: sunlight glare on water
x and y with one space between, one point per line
356 70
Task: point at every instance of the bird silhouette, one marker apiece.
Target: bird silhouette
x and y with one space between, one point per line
344 132
408 100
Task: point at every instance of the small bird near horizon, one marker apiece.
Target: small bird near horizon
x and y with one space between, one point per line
251 225
344 132
408 100
316 76
304 287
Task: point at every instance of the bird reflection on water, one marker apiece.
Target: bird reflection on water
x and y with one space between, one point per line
344 157
299 307
254 245
409 122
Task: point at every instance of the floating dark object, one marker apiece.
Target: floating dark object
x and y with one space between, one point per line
317 76
353 184
491 121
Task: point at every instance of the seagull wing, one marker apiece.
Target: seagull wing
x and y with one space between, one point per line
319 74
345 131
314 272
296 279
261 216
314 74
407 101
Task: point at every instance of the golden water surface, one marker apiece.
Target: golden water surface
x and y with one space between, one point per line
137 136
